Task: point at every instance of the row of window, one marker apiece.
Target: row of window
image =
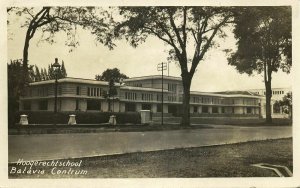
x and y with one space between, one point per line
131 107
92 91
172 98
172 87
274 92
207 100
277 92
130 95
147 97
215 110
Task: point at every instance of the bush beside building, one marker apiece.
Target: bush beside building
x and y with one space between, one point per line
46 117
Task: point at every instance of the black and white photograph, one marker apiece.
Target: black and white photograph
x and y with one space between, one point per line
164 95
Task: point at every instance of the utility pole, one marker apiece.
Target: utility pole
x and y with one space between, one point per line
169 68
161 67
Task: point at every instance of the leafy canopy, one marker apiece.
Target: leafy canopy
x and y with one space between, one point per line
111 75
264 40
187 31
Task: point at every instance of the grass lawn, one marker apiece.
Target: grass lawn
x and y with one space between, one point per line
232 160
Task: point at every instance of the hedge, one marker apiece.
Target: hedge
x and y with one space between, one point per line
45 117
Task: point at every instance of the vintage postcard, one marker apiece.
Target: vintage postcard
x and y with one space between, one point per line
184 94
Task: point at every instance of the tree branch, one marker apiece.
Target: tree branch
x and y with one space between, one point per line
172 22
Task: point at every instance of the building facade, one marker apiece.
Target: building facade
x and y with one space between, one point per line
277 95
139 93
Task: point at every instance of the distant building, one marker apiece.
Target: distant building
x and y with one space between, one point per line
140 93
277 95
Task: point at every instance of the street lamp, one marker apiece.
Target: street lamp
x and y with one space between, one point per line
56 67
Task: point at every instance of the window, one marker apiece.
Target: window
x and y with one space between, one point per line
27 105
129 107
196 99
204 109
195 109
43 105
146 106
77 90
159 108
130 95
77 105
223 110
93 105
147 96
172 87
215 110
95 92
171 98
249 110
43 91
59 90
233 110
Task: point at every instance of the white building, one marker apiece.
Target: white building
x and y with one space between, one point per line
140 93
277 95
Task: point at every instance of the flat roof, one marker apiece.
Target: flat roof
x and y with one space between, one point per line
73 80
151 77
282 88
228 94
142 89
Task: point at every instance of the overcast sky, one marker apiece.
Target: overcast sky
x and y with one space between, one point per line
91 58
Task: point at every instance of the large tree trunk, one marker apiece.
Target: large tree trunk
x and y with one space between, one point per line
268 103
268 86
25 61
186 82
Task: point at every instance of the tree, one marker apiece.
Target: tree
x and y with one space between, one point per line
111 74
51 20
14 78
112 92
37 75
63 71
287 104
189 32
264 44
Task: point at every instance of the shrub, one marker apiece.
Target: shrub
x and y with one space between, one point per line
46 117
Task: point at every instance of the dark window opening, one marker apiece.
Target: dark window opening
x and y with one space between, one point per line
93 105
204 109
146 106
77 90
129 107
159 108
249 110
77 104
223 110
43 105
214 110
27 105
195 109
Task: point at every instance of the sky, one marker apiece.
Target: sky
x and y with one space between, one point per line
91 58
